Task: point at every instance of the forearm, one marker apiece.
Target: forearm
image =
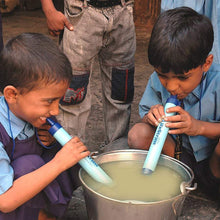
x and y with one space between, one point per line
28 186
47 6
209 129
56 20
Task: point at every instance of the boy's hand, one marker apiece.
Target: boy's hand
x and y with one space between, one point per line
56 21
155 115
182 122
45 137
71 153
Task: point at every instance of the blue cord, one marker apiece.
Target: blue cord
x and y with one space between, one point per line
13 148
201 94
9 121
44 146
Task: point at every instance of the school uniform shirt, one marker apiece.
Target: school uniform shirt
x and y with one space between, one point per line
21 130
203 103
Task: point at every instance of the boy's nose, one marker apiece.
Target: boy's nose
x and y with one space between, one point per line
54 110
172 85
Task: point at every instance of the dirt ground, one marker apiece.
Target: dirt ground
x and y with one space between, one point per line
197 205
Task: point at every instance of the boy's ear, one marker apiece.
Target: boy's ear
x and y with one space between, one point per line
208 63
10 93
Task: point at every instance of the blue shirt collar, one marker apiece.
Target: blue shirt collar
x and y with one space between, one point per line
17 124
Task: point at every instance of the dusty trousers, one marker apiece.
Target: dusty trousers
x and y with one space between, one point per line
108 33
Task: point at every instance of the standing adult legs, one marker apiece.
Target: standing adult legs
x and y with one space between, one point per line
117 68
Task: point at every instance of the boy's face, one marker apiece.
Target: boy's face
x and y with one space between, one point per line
35 106
183 84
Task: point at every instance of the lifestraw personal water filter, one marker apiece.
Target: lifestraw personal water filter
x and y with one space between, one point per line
87 163
159 138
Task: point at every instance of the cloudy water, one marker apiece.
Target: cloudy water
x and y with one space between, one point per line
131 184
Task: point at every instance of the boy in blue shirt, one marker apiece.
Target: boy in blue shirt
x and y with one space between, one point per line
179 50
34 75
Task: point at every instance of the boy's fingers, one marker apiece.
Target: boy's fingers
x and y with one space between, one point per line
53 33
68 25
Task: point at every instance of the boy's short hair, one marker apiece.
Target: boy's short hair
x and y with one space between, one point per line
181 40
30 59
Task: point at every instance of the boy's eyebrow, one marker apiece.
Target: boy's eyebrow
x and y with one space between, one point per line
184 74
188 73
54 98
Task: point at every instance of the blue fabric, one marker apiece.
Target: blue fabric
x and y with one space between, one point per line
209 95
20 130
210 8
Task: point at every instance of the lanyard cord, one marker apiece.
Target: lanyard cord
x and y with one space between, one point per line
9 123
178 148
201 94
10 128
44 146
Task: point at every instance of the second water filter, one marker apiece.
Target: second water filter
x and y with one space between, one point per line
159 138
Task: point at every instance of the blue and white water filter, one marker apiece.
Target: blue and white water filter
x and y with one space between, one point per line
159 138
87 163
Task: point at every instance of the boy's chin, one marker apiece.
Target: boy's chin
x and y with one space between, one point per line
181 96
38 124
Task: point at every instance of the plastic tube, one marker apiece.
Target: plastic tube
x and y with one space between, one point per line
159 138
87 163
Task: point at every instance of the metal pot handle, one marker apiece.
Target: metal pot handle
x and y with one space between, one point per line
184 188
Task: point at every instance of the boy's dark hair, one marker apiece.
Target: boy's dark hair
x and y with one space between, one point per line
30 59
181 40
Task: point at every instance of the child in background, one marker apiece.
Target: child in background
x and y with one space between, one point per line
179 50
34 75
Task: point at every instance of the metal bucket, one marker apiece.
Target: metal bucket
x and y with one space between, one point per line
100 207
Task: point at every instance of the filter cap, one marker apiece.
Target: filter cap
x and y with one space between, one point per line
173 99
55 126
